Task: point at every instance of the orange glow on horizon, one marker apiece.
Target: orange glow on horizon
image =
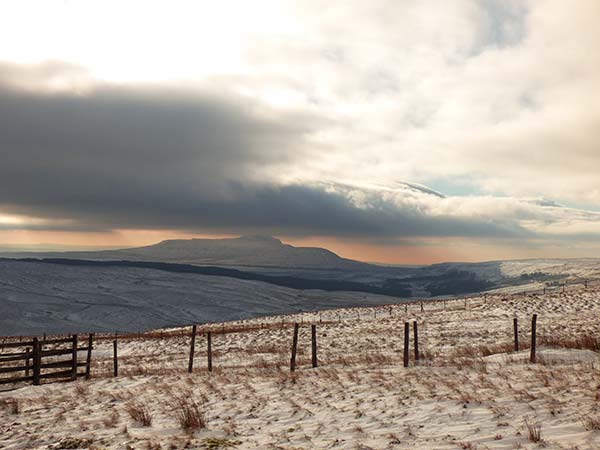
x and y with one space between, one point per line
424 251
116 238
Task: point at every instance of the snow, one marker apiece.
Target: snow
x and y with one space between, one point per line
360 397
47 298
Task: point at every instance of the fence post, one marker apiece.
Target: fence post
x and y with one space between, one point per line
88 360
27 350
36 361
294 348
516 332
406 336
192 347
422 306
313 331
115 360
74 358
209 350
416 337
533 333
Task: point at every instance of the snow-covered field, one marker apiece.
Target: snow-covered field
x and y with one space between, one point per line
469 391
48 298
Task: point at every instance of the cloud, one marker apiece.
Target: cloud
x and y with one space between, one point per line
500 94
115 147
139 157
310 129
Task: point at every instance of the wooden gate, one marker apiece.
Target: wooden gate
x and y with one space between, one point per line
46 359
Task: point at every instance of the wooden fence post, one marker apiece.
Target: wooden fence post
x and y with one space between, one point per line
88 360
294 348
516 333
36 361
416 337
74 360
422 306
192 347
406 336
27 350
313 332
209 350
115 360
533 337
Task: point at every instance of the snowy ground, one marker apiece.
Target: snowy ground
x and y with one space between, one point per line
48 298
469 391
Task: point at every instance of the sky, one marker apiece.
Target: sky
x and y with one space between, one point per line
405 132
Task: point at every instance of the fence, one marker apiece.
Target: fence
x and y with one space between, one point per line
33 359
39 359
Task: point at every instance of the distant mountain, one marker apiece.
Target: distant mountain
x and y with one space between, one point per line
244 251
250 251
267 259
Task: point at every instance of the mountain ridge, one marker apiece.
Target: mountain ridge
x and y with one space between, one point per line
252 251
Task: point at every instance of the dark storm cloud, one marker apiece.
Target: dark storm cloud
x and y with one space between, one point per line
110 156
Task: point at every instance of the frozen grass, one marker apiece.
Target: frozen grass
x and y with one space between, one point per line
469 390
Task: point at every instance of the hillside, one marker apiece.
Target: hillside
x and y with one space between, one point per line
56 298
469 389
269 260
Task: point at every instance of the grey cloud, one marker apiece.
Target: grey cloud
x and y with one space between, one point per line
123 157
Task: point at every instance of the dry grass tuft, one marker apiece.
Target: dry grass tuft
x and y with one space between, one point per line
140 413
189 413
591 422
11 405
534 430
